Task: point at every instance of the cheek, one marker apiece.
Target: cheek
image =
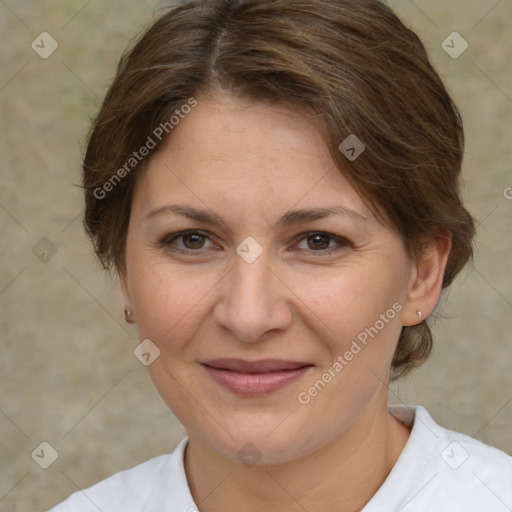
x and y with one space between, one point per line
358 320
169 301
352 301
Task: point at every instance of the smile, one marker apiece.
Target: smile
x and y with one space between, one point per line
255 378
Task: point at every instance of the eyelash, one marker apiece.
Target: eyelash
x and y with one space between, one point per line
169 239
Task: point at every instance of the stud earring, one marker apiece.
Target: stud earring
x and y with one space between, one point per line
419 313
127 315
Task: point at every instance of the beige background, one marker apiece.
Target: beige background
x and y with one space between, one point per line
67 371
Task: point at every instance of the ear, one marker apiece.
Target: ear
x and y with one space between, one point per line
426 280
123 284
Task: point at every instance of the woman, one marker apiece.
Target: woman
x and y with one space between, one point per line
276 185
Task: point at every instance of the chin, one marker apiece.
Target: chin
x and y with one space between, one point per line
270 438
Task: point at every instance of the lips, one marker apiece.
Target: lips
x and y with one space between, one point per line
253 378
260 366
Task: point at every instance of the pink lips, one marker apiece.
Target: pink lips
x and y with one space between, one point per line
252 378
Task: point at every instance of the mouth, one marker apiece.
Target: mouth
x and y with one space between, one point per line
254 378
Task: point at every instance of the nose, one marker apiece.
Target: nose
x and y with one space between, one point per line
253 300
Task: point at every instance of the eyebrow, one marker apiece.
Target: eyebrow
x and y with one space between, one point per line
289 218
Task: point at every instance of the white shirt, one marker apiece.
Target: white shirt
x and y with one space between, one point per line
437 471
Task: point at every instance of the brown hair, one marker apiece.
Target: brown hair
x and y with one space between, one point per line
352 62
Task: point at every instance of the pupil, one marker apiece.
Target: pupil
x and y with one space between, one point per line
194 240
319 242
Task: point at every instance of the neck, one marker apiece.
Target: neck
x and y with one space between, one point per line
342 475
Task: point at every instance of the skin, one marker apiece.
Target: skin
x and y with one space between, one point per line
249 163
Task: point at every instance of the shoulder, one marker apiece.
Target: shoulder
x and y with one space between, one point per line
475 472
459 449
148 486
446 471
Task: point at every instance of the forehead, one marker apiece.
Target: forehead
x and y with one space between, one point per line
236 132
229 151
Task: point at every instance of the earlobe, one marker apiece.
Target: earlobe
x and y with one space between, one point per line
128 316
128 312
426 283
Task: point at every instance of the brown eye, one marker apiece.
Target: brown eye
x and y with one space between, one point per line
323 243
193 240
318 241
187 241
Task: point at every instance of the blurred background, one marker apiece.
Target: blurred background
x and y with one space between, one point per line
68 376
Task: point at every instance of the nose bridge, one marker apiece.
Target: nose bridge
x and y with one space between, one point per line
251 303
250 270
251 278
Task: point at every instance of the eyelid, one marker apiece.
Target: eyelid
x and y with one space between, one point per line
341 241
168 239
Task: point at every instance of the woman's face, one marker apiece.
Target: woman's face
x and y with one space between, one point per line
265 273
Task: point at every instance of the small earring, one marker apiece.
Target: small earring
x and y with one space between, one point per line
419 313
127 315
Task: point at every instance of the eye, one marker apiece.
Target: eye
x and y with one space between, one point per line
322 242
191 240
